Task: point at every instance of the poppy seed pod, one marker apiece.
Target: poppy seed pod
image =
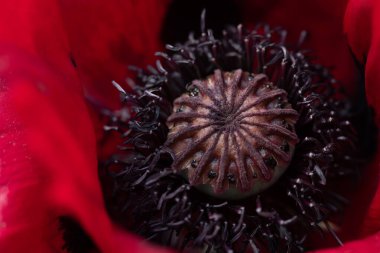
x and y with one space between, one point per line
232 132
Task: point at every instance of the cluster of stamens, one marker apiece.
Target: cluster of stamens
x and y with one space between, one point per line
233 131
227 117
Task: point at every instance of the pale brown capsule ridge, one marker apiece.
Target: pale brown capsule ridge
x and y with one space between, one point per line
232 133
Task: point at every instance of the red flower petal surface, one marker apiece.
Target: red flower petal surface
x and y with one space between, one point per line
107 36
49 165
362 25
48 145
370 244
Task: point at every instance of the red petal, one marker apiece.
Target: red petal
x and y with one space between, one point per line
358 27
49 164
362 25
368 245
48 159
107 36
35 26
102 37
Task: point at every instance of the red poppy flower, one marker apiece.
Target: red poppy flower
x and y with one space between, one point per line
57 55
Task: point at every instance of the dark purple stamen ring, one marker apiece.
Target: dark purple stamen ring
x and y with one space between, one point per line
157 203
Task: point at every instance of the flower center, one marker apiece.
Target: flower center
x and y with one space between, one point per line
232 134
